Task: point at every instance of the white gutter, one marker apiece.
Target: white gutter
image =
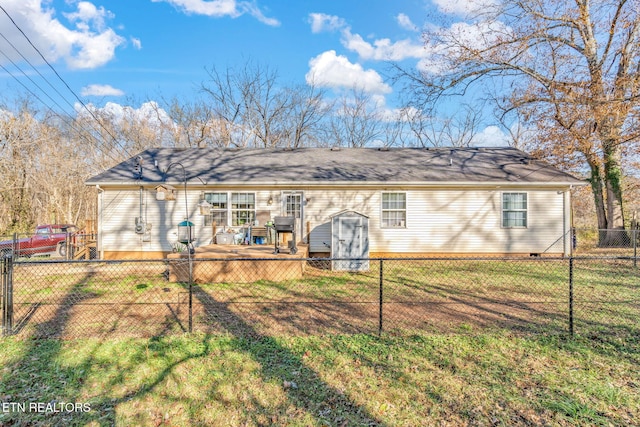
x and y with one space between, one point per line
291 184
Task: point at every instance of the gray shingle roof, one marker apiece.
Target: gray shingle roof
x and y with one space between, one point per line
317 166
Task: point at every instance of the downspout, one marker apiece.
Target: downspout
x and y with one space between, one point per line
99 228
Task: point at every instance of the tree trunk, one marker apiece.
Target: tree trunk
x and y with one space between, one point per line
613 234
598 196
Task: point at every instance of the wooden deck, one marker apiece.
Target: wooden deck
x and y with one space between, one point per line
237 264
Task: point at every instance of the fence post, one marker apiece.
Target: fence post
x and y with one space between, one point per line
635 247
571 296
6 267
381 277
190 290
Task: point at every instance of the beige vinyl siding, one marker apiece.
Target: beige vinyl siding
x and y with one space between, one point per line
438 220
121 207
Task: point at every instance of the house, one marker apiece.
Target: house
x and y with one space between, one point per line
417 201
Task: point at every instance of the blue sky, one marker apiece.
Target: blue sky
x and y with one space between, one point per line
129 52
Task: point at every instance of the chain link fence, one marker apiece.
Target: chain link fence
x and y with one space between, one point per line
593 295
589 241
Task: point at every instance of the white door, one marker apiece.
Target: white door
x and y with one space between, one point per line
293 206
351 244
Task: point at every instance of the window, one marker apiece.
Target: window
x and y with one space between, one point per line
514 210
240 208
394 210
243 208
219 208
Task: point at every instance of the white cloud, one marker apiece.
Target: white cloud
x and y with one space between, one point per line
137 43
221 8
382 49
491 136
463 7
477 35
405 22
89 44
379 50
336 71
101 90
322 22
88 14
149 112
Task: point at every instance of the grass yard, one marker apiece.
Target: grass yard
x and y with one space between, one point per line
465 342
466 378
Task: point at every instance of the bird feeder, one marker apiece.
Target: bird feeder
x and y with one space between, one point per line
185 232
165 192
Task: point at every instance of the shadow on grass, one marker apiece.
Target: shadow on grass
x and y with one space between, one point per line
41 375
278 364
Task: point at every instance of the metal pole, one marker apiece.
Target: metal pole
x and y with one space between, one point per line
381 277
189 245
190 295
571 330
7 295
635 247
3 281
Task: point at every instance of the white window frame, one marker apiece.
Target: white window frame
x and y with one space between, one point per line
403 222
208 219
503 209
232 210
229 210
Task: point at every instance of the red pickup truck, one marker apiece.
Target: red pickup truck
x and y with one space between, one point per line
47 238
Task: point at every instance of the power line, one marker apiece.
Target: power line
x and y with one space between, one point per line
30 79
36 70
69 123
64 82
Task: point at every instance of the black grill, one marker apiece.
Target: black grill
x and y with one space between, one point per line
285 224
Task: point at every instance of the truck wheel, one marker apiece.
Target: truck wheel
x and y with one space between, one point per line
62 249
4 253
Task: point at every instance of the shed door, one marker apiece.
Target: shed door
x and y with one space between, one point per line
351 243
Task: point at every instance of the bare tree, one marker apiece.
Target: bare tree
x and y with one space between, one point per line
44 161
417 127
307 113
226 93
571 68
356 120
428 130
251 108
18 136
192 124
250 105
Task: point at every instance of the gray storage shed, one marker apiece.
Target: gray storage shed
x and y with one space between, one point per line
349 240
